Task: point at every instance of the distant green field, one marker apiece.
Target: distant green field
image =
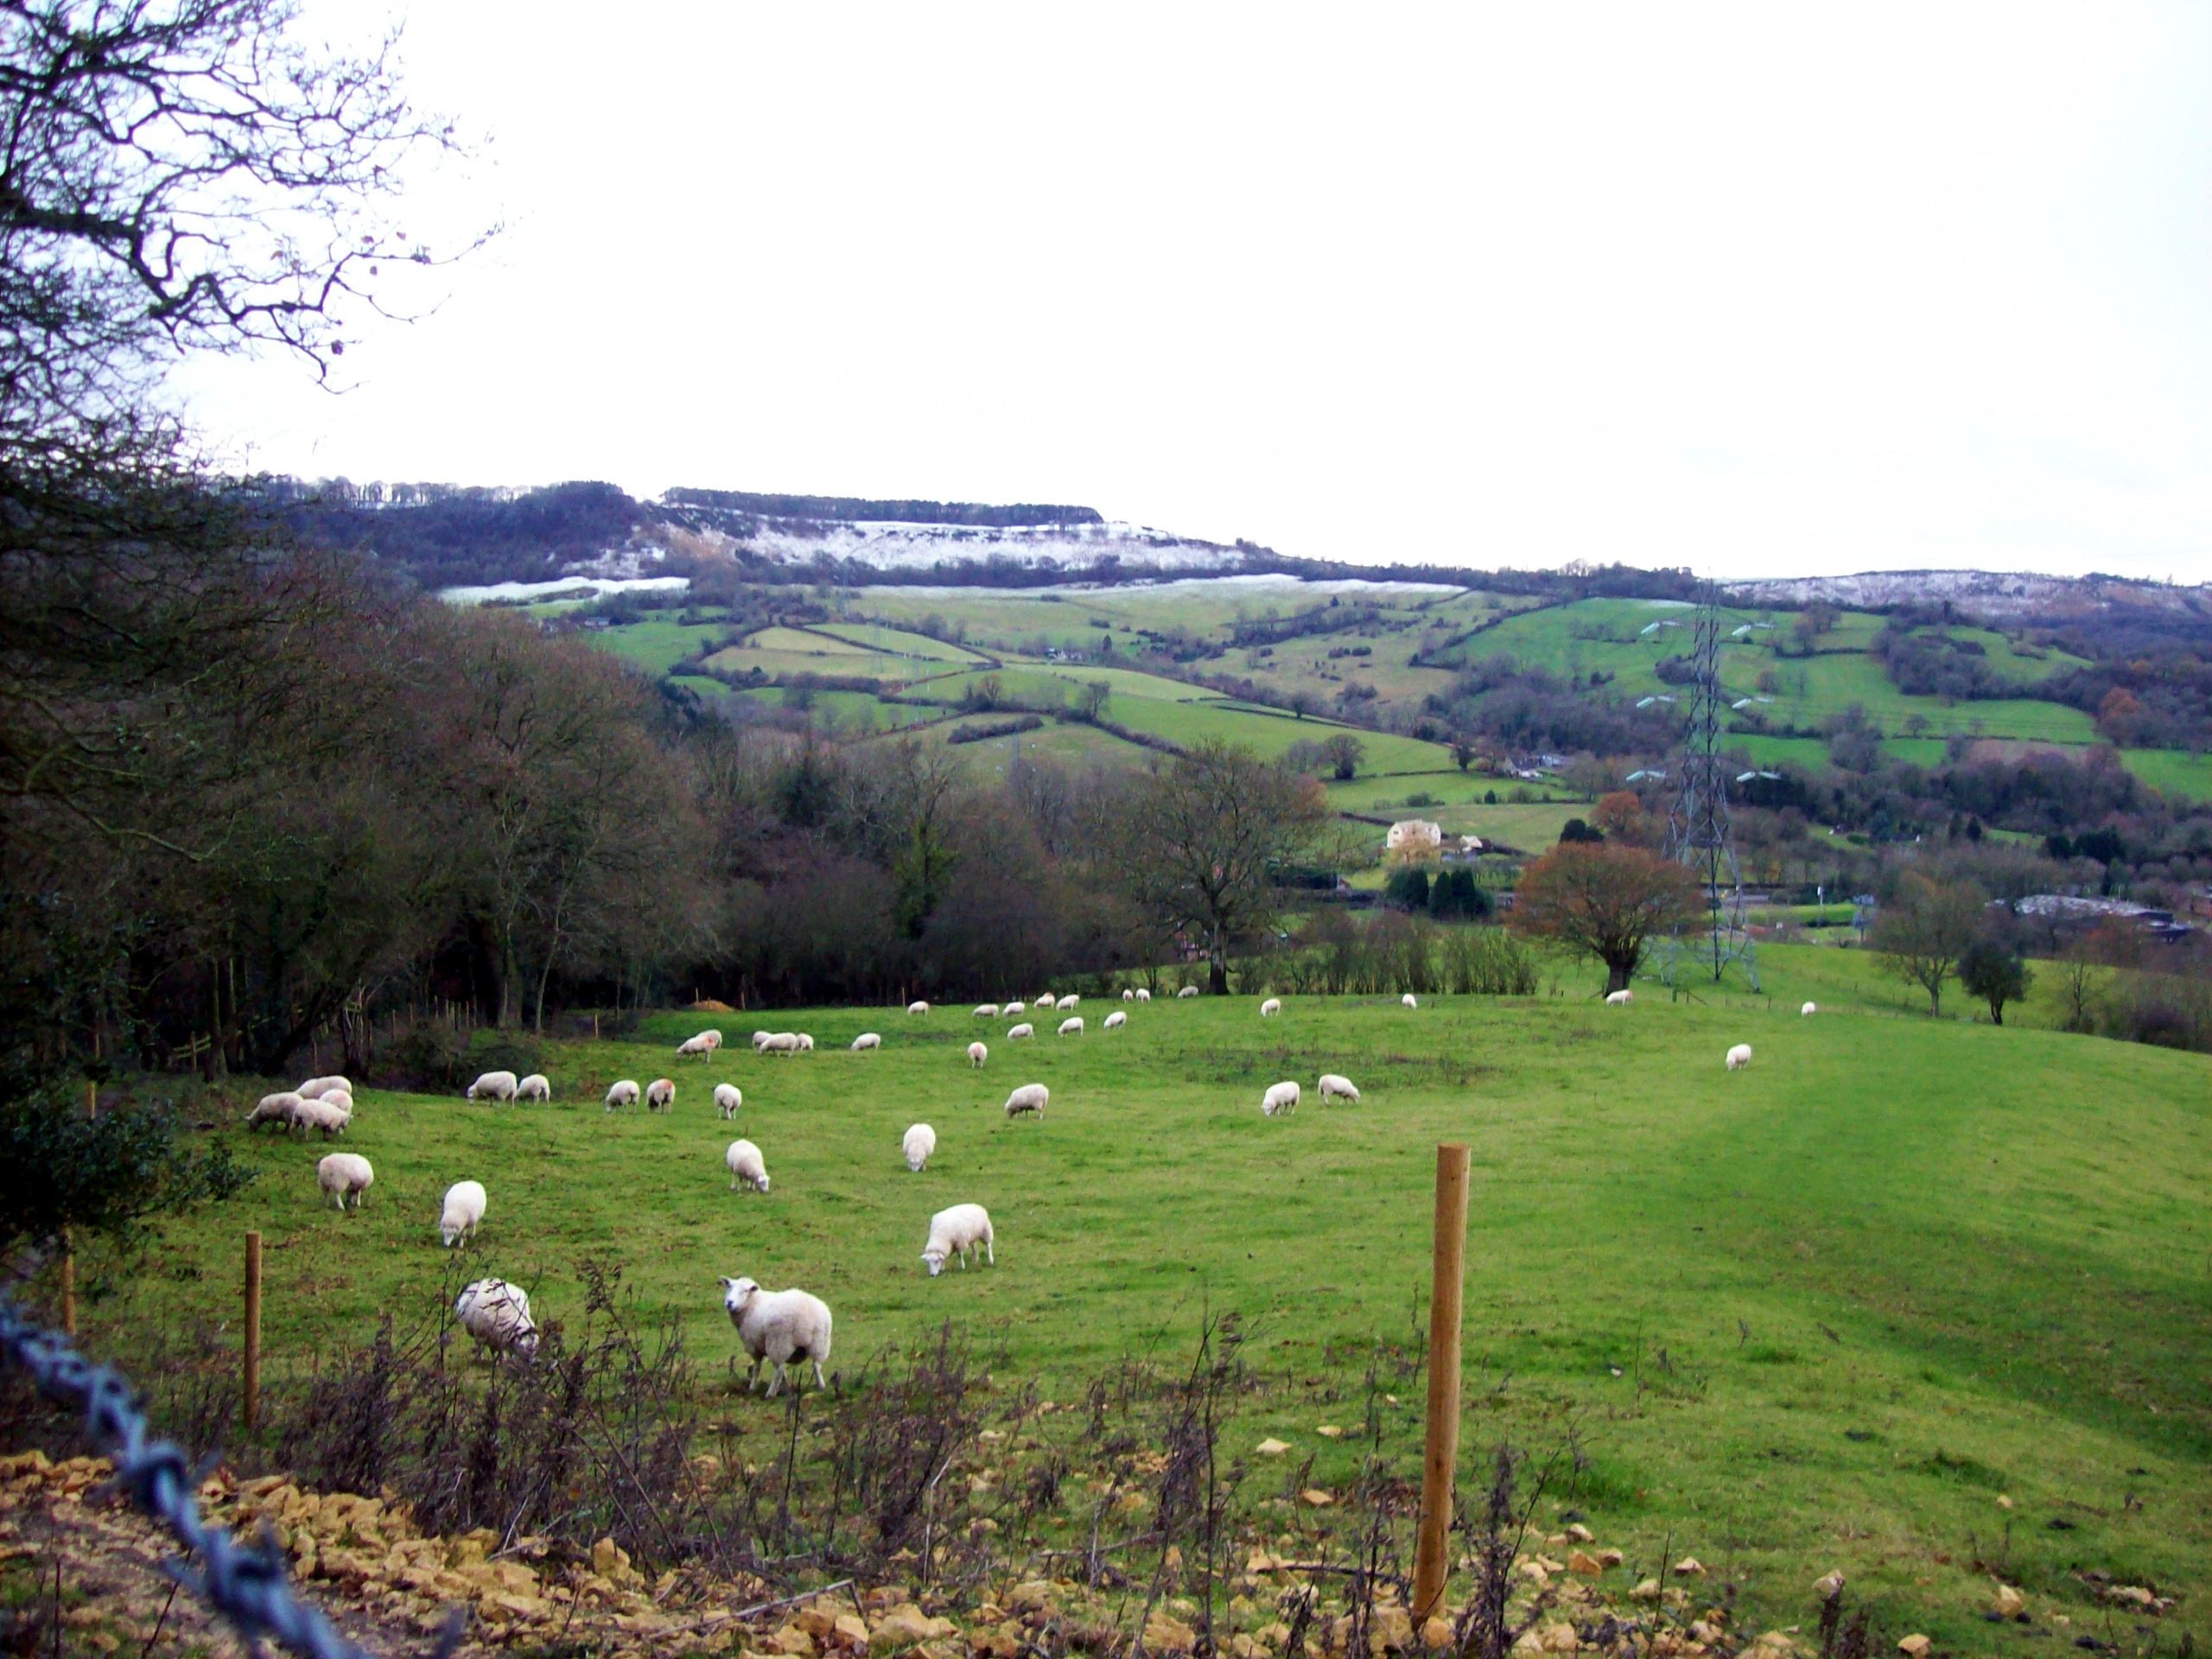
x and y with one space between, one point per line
897 642
657 643
1817 1315
2172 771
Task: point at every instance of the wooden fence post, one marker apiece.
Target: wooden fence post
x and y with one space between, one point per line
252 1389
1431 1561
68 1286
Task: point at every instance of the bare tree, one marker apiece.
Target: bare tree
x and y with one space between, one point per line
1605 900
1924 930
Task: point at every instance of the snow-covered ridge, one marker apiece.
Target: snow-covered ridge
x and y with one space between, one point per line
1983 593
900 546
598 586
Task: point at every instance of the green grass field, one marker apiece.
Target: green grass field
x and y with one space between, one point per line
2172 771
1822 1313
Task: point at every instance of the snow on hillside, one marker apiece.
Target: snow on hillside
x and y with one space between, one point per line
1982 592
911 546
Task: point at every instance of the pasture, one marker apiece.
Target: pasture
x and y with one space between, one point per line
1822 1314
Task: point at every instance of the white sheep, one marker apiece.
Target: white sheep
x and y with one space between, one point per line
1072 1026
760 1036
867 1040
977 1054
778 1327
1333 1084
1115 1021
806 1043
321 1114
494 1085
959 1231
777 1042
1739 1057
1619 999
660 1095
1014 1008
1410 1000
703 1045
1143 995
1065 1003
1809 1010
1015 1034
338 1097
1042 1002
1269 1008
1188 990
920 1142
1128 996
345 1175
276 1109
624 1093
314 1087
728 1096
463 1212
497 1315
1030 1097
747 1165
986 1010
535 1086
918 1007
1280 1098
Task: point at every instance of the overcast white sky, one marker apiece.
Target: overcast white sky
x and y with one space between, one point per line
1759 289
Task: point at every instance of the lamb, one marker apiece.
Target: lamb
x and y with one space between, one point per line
314 1088
624 1093
986 1010
703 1045
958 1232
745 1164
1809 1010
1739 1057
494 1085
1143 995
660 1095
1014 1008
1065 1003
778 1327
345 1175
535 1086
1015 1034
977 1054
1410 1000
1272 1006
276 1109
1115 1019
1340 1087
919 1142
321 1114
1280 1099
918 1007
463 1212
730 1097
867 1039
1072 1026
1619 999
497 1315
1188 990
1030 1097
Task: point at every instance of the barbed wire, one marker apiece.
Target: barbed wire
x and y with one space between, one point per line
248 1584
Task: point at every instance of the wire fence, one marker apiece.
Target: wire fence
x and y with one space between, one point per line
248 1584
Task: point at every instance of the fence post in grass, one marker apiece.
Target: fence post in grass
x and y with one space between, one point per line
68 1286
1447 1272
251 1393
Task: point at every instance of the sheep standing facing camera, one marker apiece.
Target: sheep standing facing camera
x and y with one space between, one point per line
919 1143
778 1327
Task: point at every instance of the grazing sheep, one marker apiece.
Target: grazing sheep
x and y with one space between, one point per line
760 1036
1283 1097
1030 1097
977 1054
339 1098
494 1085
777 1042
703 1045
747 1165
497 1315
1128 996
321 1114
316 1087
959 1231
806 1043
730 1097
1072 1026
1340 1087
1014 1008
1115 1020
1188 990
1065 1003
535 1086
345 1175
1143 995
463 1212
921 1141
276 1109
1042 1003
1410 1000
1015 1034
1808 1009
1272 1006
918 1007
1739 1057
660 1095
867 1039
1619 999
778 1327
624 1093
986 1010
